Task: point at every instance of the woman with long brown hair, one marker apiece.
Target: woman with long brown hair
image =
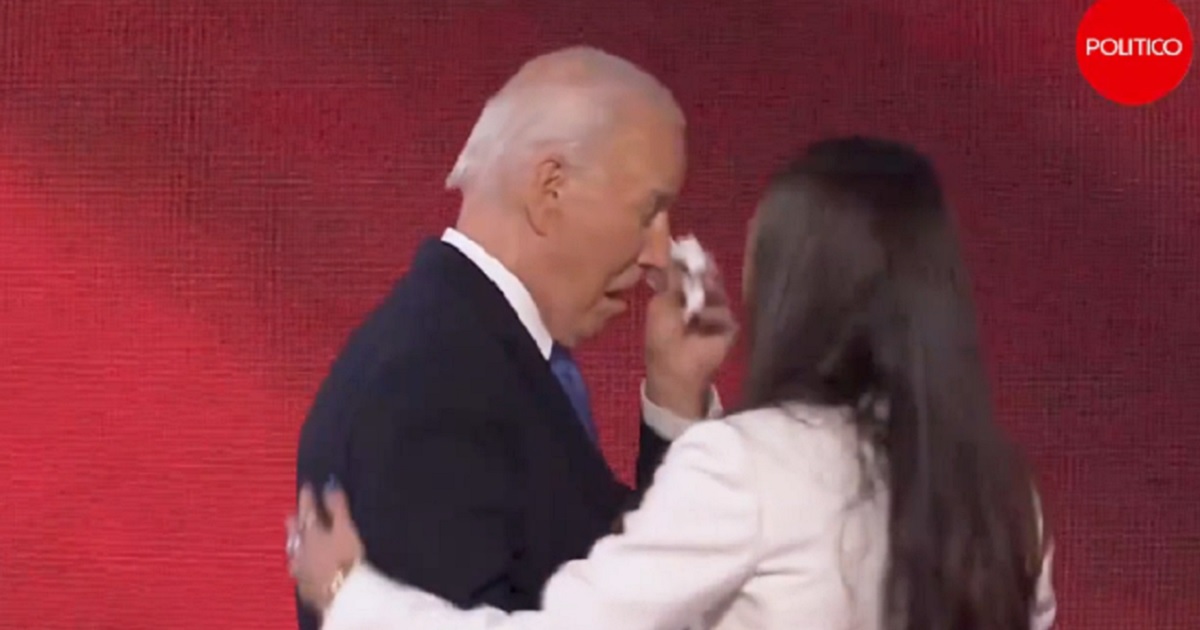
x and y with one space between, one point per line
865 484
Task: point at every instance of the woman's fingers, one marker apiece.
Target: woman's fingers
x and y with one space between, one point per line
339 508
714 321
306 508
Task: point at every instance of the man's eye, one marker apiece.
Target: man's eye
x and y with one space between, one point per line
650 215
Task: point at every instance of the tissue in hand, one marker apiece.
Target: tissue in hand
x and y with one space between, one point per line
688 253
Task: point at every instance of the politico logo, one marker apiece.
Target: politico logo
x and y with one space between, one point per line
1134 52
1134 47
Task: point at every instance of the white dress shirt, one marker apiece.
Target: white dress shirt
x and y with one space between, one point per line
666 424
752 523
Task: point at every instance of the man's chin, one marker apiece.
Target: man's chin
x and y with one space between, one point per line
601 316
613 306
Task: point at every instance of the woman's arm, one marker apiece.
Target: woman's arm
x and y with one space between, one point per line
692 543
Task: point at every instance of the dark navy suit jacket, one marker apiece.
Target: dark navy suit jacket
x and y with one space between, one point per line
467 473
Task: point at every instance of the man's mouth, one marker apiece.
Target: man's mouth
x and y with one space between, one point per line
622 288
619 296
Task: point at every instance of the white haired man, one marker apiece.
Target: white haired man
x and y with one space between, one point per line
455 418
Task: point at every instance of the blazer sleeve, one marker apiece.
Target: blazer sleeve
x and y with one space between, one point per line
693 542
659 427
431 490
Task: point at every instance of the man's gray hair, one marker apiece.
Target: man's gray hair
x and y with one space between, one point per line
561 99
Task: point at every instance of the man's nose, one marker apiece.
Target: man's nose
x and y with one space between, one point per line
656 250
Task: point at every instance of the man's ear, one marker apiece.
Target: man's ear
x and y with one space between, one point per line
544 205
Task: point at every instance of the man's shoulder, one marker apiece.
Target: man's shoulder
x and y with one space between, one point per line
418 381
428 311
424 344
439 303
425 349
424 319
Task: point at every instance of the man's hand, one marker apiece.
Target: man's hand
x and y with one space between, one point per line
682 358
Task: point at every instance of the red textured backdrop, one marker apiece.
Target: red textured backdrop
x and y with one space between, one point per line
198 199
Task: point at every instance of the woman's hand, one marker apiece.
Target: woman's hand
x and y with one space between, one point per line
320 557
682 357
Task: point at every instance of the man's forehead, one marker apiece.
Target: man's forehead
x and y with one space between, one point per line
663 177
651 149
667 171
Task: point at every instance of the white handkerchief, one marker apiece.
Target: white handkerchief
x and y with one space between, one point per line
688 253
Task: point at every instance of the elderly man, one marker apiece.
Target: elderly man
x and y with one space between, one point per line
455 418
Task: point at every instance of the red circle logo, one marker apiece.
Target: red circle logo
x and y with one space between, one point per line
1134 52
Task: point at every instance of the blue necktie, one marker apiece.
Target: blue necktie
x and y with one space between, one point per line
567 372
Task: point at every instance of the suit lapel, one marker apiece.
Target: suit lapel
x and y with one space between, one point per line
557 413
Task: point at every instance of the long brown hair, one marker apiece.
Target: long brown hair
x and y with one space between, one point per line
858 297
